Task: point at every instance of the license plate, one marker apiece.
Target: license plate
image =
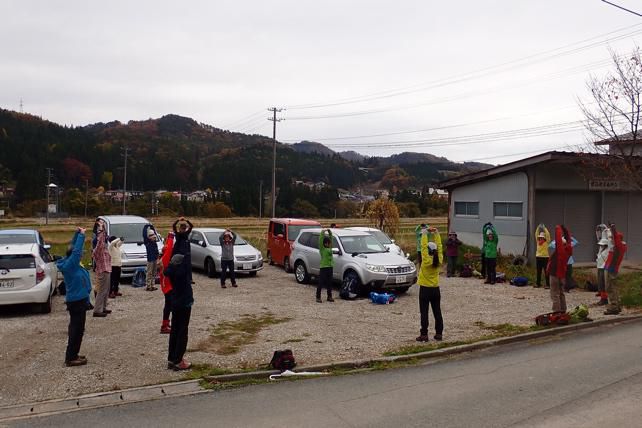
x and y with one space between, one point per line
247 266
7 284
400 279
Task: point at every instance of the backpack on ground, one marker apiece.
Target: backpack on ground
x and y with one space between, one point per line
349 289
519 281
139 278
590 286
283 360
382 298
466 271
553 318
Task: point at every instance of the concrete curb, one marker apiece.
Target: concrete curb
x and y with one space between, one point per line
454 350
191 387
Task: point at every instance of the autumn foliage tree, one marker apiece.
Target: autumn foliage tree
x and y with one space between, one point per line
613 112
75 172
384 215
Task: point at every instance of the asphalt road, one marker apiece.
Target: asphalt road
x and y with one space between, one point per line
589 379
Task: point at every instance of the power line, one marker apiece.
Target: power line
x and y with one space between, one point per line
623 8
503 67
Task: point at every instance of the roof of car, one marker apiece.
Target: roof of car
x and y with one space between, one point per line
296 221
338 232
18 248
362 228
208 229
120 219
19 231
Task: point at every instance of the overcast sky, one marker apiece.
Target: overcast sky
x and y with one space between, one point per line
450 70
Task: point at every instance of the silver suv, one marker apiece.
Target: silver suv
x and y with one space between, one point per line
358 256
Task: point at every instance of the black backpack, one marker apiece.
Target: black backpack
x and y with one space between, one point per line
283 360
349 289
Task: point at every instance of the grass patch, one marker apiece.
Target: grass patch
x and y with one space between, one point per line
630 287
228 337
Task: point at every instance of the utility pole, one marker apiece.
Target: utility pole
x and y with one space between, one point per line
261 199
48 183
86 195
274 120
125 153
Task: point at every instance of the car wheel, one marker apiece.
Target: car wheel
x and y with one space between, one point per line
286 265
352 275
253 273
45 308
269 258
210 268
301 273
401 290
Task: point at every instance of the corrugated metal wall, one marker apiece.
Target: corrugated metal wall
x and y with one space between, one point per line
579 211
625 210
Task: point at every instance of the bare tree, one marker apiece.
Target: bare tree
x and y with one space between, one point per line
612 118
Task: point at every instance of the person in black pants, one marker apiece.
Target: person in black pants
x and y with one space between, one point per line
227 240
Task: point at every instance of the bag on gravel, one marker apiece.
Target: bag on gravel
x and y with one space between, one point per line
553 318
139 278
283 360
382 298
589 286
466 271
519 281
349 289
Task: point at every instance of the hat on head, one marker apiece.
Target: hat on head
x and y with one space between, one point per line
603 241
432 246
150 233
541 235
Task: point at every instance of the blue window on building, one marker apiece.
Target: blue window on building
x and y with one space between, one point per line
467 209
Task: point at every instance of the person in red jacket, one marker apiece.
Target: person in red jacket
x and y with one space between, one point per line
612 267
165 283
557 265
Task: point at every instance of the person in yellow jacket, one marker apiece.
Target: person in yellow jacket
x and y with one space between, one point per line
543 237
432 256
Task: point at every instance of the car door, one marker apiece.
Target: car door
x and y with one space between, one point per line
198 252
280 239
51 269
339 260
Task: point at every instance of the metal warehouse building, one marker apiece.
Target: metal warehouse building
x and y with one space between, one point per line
550 188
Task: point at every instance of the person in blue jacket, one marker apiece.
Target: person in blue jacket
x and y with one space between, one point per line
78 285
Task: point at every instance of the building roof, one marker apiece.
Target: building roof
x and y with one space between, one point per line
508 168
628 138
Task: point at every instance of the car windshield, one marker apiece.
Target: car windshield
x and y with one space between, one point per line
17 238
131 232
293 231
382 237
212 238
362 244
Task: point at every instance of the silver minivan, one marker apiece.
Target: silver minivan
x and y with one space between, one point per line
130 227
358 256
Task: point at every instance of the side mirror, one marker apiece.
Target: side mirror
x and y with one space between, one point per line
202 244
336 251
47 246
407 255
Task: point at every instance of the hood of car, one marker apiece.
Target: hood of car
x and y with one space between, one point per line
385 259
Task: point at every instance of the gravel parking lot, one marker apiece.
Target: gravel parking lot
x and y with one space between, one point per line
126 349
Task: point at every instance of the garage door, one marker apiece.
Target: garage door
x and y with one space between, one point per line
579 211
634 232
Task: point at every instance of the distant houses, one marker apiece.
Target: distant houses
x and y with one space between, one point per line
195 196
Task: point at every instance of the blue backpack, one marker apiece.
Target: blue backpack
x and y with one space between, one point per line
382 298
139 278
519 281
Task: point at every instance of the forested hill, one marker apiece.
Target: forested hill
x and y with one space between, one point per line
173 153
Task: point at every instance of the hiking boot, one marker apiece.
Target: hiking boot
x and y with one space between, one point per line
82 357
319 300
151 289
422 338
547 287
537 285
330 299
612 311
118 293
165 329
438 337
112 295
234 285
75 363
107 311
100 314
603 302
170 365
223 286
183 365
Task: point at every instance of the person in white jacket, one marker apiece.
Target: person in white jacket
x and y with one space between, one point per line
602 255
116 265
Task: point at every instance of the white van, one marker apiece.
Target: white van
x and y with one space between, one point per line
130 228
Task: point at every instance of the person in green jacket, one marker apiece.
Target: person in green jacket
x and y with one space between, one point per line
327 262
490 253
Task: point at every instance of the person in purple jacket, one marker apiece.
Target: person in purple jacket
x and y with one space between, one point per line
452 252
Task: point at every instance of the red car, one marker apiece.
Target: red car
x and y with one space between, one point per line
280 238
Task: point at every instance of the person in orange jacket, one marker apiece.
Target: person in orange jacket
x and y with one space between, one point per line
166 283
557 265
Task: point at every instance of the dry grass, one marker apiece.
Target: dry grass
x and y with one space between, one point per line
228 337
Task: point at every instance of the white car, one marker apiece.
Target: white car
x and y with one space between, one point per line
28 275
385 240
206 253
